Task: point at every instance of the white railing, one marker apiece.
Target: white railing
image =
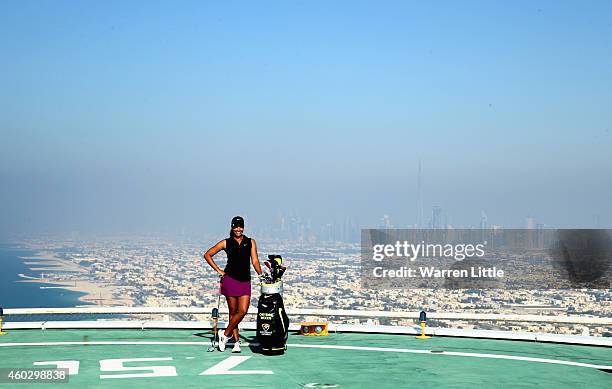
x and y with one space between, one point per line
603 321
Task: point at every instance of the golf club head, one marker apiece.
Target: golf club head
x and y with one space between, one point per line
213 345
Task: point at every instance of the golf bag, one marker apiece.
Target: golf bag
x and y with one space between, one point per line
272 320
272 324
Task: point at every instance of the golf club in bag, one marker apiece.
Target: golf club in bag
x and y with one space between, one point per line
272 320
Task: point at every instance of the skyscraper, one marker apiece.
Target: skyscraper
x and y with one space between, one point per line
436 217
483 220
419 199
385 222
530 224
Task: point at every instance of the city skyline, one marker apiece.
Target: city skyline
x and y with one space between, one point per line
162 273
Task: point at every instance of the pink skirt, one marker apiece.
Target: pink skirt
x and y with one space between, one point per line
234 288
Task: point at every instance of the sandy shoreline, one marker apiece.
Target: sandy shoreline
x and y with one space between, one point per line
45 258
95 293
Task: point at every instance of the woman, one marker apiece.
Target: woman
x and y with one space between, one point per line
236 278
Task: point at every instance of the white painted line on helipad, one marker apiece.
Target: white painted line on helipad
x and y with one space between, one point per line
332 346
99 343
458 354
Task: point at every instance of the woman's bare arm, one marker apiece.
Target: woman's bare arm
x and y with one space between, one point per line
211 252
254 257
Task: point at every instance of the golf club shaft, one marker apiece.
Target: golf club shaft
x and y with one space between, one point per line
218 305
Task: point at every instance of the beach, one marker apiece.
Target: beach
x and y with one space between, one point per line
61 273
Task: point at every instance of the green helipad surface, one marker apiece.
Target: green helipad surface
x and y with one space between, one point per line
164 358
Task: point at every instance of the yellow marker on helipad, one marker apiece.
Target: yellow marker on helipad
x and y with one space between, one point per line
423 319
1 320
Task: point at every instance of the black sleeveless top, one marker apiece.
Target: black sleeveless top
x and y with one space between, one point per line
238 259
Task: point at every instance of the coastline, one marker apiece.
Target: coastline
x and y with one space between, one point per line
93 292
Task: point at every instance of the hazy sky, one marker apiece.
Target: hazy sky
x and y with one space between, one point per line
160 116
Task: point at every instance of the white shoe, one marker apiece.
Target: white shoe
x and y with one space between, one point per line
222 340
236 348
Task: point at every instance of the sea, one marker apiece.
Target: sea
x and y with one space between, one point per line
14 294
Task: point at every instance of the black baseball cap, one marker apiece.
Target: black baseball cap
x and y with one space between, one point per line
237 221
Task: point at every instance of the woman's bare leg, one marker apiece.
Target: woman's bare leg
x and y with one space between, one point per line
235 319
232 305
